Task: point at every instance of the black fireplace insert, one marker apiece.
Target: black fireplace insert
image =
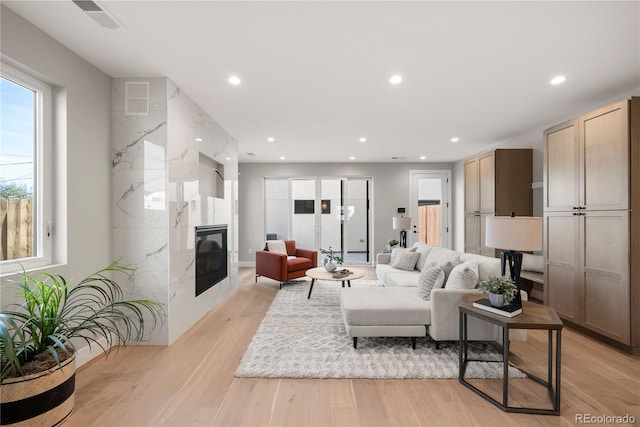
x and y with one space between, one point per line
211 256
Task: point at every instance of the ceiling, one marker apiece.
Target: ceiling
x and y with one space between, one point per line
315 75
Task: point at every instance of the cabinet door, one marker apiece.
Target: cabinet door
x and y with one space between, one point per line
604 149
471 187
485 250
562 291
605 273
487 173
472 233
561 167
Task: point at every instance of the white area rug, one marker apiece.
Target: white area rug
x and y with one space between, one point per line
306 338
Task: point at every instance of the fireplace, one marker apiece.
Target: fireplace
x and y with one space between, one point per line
211 256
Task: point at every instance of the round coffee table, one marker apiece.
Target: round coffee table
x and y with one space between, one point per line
320 273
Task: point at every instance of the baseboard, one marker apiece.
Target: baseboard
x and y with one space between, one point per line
633 350
251 264
86 353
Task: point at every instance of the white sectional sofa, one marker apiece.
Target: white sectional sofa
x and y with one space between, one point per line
397 309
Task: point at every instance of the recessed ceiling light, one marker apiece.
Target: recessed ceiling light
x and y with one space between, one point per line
557 80
199 139
270 139
352 158
363 139
423 157
396 79
455 139
234 80
282 157
228 158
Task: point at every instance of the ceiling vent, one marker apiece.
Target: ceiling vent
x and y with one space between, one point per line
98 14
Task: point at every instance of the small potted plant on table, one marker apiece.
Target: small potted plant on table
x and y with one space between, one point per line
331 260
501 290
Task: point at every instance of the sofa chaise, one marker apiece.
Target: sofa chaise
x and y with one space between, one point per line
398 309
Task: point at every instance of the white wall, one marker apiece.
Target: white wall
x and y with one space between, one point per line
390 191
82 178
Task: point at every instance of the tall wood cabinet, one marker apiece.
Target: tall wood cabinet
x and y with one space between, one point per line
495 183
591 237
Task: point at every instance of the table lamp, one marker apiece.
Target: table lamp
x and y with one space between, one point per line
402 223
513 234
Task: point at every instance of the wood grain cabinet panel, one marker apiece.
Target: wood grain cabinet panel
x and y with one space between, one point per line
472 230
561 167
604 137
487 184
471 187
561 237
605 273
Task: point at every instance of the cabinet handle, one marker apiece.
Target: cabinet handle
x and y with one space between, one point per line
576 207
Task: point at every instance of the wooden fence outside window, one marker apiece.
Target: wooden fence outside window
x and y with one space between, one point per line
16 220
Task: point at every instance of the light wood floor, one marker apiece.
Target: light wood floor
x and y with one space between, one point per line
191 383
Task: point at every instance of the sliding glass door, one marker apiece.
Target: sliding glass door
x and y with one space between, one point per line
321 213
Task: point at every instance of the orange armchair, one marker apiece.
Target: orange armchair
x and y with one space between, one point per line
284 267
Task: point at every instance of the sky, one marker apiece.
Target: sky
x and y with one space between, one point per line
17 134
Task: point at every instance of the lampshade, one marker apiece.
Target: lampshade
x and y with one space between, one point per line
519 233
401 222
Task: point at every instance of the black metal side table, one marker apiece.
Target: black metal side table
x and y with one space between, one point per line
533 316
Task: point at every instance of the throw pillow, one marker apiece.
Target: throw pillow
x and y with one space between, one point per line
395 252
445 258
463 276
277 246
431 277
423 249
406 261
446 267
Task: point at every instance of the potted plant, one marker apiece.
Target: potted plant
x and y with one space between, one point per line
37 364
501 290
391 243
331 261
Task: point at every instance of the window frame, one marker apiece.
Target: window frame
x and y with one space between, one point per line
43 172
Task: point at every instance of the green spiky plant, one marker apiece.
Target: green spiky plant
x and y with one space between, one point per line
52 313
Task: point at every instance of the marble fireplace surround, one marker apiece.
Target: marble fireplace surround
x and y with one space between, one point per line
159 198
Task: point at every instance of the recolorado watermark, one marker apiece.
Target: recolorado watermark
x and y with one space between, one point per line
604 419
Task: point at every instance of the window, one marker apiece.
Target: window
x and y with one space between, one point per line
26 216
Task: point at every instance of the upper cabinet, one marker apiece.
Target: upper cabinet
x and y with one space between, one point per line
561 167
604 158
587 162
495 183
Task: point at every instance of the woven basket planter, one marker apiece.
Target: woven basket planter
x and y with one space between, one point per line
43 399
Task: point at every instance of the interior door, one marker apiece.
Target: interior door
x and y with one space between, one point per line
430 208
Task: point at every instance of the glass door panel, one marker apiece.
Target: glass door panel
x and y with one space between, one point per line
356 233
303 206
331 226
276 196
